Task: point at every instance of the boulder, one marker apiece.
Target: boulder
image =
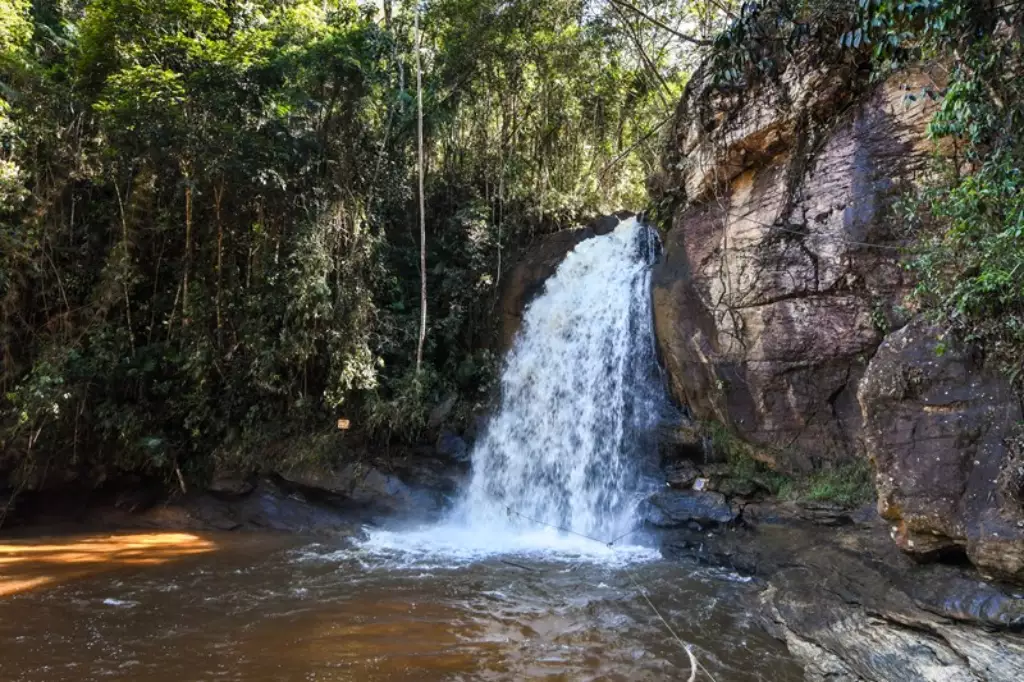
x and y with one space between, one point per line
358 487
375 488
681 473
672 508
847 620
272 506
736 487
937 425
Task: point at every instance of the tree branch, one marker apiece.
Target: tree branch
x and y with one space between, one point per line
651 133
665 27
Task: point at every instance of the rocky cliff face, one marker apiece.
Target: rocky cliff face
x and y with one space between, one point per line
780 274
779 303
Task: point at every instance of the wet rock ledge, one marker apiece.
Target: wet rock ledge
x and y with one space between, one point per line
852 608
849 603
327 502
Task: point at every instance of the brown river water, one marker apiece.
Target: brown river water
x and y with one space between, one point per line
175 607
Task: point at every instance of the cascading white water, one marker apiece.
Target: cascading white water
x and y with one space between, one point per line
580 398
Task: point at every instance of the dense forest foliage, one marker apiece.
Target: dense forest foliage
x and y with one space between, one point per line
209 227
209 233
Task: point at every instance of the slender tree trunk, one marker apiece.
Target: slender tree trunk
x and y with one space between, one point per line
423 217
124 265
188 249
499 214
218 199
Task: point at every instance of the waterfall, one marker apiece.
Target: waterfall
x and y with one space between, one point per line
580 398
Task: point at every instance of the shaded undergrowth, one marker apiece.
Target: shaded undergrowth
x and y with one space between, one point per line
848 484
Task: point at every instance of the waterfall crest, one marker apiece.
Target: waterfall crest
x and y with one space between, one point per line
581 395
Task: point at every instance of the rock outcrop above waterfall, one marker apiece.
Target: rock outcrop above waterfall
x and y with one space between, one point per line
532 269
780 302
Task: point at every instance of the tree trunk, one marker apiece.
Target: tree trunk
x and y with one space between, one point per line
423 217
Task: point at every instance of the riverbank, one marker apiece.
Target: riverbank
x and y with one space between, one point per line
830 585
